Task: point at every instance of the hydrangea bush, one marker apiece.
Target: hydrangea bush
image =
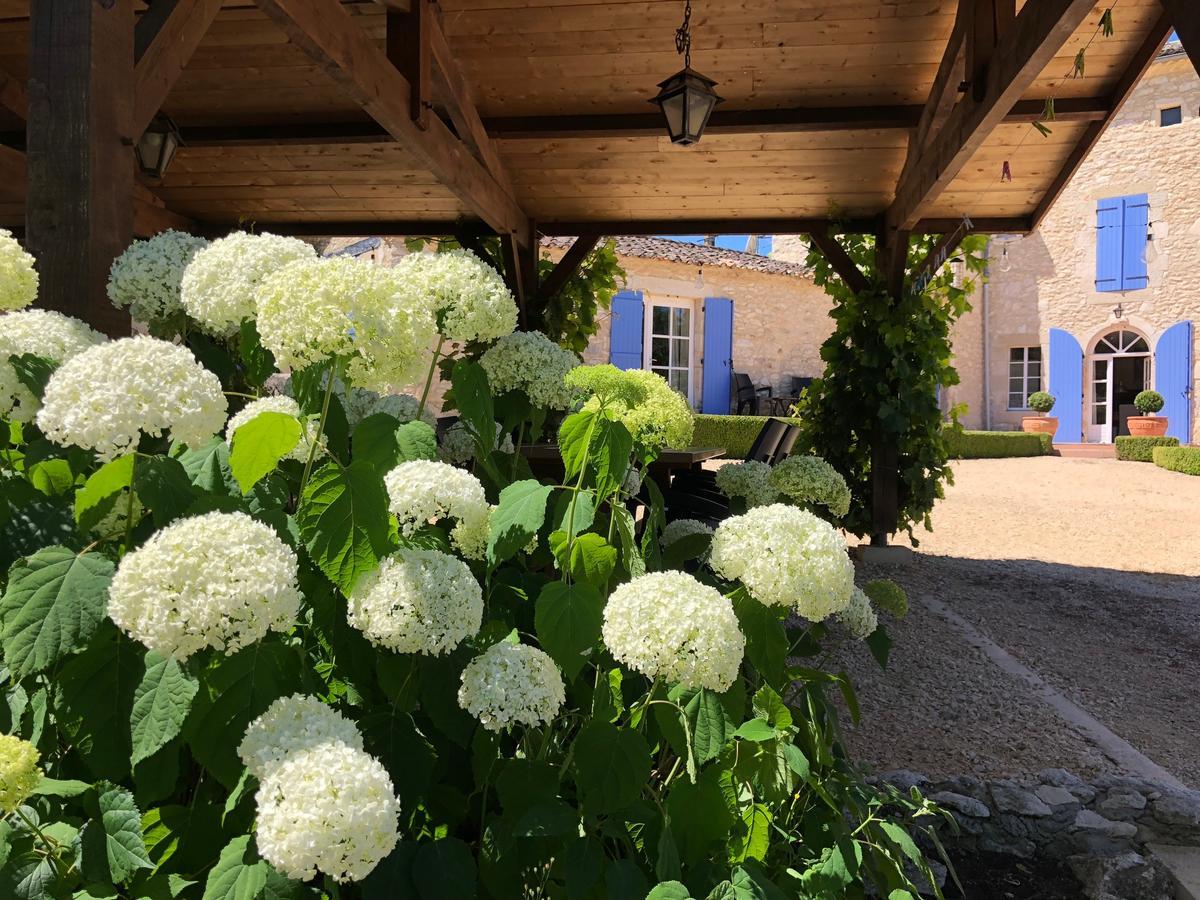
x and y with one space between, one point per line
266 647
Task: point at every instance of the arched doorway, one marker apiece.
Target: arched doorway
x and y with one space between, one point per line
1118 368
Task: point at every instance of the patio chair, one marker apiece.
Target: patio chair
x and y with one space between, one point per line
785 446
748 395
694 494
763 449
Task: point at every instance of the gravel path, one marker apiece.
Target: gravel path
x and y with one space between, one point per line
1082 570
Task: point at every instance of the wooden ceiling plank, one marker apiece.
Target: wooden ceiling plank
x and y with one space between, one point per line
328 34
1022 54
1142 61
1185 17
163 57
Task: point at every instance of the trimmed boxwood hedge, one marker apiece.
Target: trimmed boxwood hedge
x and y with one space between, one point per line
1178 459
734 433
996 444
1141 449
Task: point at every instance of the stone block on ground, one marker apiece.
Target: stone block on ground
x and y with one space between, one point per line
1012 798
1126 876
1183 864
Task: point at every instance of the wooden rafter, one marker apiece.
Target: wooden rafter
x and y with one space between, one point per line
407 43
166 42
835 254
13 96
567 266
987 22
1036 35
327 33
1185 18
1142 61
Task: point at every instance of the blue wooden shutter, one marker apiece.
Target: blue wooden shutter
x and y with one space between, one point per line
1135 231
718 355
1066 384
625 344
1173 378
1110 214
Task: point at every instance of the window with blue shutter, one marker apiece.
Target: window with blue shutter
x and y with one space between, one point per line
625 339
1122 230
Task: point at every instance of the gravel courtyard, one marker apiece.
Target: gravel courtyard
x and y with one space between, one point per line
1055 622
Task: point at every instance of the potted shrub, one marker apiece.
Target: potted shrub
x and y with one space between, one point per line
1041 403
1148 424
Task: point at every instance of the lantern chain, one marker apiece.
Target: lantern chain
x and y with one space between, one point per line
683 35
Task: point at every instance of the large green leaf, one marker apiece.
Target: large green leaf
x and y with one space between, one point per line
753 839
100 493
699 815
574 439
473 396
207 466
260 444
33 371
240 874
392 878
160 705
588 558
444 870
610 452
374 442
163 485
112 844
766 640
416 440
259 361
669 890
343 519
95 698
234 690
568 618
611 766
517 518
709 719
53 603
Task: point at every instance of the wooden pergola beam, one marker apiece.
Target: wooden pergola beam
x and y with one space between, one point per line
165 39
1022 54
328 34
836 255
13 96
1185 17
566 267
1142 60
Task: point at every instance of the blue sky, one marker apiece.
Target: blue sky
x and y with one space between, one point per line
727 241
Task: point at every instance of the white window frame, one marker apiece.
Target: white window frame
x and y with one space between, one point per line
648 336
1024 376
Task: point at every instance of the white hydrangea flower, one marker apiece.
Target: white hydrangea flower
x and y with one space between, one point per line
105 397
313 310
631 484
650 409
530 362
785 556
681 528
276 403
417 601
811 480
43 333
749 479
404 408
668 625
18 277
292 724
330 808
859 617
145 278
422 491
457 445
512 684
467 296
220 580
219 283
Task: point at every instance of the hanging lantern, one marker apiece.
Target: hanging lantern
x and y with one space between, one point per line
687 98
156 147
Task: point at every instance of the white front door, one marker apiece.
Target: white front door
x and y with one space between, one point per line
668 342
1100 420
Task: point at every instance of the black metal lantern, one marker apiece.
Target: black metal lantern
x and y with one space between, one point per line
156 147
687 98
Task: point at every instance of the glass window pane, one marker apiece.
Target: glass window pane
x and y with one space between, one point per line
1016 401
1172 115
1016 370
1100 369
679 351
1100 391
679 380
662 320
1016 354
681 322
1035 354
1034 370
1035 384
1138 346
1101 415
660 350
1016 385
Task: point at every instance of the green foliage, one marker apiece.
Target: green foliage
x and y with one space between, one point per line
1041 402
1178 459
995 444
885 363
1141 449
735 433
1149 402
260 444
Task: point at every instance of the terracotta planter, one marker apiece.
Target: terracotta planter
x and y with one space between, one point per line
1040 425
1147 426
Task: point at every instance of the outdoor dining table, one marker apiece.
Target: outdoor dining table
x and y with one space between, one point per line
545 458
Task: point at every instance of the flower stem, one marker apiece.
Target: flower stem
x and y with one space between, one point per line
429 378
129 504
315 441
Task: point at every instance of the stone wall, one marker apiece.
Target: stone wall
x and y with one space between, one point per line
1050 281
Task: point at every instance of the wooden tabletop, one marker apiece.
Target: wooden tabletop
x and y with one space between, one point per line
674 459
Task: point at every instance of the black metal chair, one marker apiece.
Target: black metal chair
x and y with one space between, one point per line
747 395
784 450
693 494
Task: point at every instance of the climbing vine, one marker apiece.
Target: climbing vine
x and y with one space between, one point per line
885 364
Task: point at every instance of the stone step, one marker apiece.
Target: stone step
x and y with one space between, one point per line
1184 865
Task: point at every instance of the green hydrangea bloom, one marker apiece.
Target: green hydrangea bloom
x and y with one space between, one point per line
888 596
19 772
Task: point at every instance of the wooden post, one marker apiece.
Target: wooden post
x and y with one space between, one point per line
79 206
